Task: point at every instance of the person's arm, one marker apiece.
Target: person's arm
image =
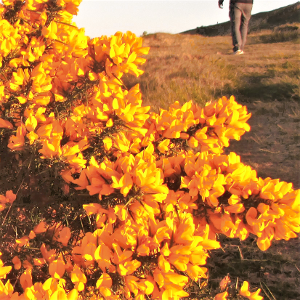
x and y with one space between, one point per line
221 3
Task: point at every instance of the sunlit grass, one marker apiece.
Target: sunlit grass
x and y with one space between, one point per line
185 67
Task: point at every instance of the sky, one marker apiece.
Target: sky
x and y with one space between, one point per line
100 17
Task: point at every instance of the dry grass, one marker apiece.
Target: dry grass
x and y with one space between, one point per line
279 34
275 271
181 67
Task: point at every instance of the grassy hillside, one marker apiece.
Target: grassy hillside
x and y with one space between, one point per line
260 21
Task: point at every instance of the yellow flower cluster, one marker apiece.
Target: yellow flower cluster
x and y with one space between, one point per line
162 185
244 291
237 201
207 129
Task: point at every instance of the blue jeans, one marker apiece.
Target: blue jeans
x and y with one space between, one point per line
240 14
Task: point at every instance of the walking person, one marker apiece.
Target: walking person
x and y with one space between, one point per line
239 14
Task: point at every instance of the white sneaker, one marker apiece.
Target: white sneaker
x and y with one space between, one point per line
238 52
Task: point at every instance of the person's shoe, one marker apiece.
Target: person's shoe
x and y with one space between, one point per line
238 52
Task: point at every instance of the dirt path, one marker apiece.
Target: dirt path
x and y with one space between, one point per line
272 147
269 87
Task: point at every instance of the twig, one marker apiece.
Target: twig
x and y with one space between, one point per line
60 42
266 150
65 24
273 298
12 203
82 225
241 254
17 280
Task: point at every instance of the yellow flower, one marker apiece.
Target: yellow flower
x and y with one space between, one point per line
6 291
31 123
78 278
17 263
50 31
49 150
107 143
4 270
22 241
163 146
5 124
26 279
57 268
41 227
104 281
125 183
16 142
19 78
103 255
128 267
221 296
62 235
172 292
244 291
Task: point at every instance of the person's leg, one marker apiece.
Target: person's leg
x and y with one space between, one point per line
235 15
245 9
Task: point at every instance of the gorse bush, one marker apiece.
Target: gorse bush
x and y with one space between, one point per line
102 199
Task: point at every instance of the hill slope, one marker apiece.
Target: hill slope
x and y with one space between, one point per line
260 21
